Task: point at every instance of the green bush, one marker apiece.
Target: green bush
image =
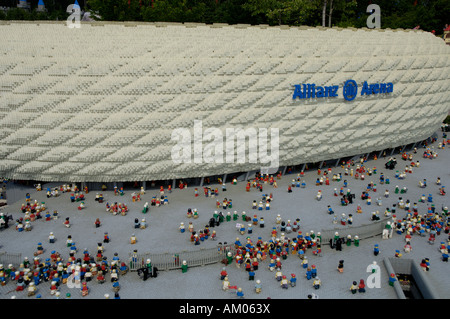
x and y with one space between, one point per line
447 120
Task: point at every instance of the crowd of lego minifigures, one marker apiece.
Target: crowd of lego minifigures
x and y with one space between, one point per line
286 238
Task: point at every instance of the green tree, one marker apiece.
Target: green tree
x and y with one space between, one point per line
291 12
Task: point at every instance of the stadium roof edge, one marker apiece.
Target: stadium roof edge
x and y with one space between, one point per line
194 24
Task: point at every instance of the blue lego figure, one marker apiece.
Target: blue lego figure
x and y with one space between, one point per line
308 274
123 267
57 280
392 280
305 263
116 257
73 248
376 250
240 293
313 271
278 251
430 198
293 280
272 264
330 210
37 280
303 185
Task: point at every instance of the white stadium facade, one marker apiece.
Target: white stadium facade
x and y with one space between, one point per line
103 102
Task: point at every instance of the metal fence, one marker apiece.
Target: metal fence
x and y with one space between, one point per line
373 229
171 261
10 258
202 257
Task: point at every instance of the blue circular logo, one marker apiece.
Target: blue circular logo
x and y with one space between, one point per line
350 90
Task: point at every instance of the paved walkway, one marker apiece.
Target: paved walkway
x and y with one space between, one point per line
162 235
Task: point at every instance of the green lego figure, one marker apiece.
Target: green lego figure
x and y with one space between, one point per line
184 267
356 241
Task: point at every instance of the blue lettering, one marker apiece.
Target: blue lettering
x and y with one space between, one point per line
390 88
365 89
334 90
320 91
311 91
298 92
375 88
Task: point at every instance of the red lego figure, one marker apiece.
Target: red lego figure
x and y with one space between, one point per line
223 274
84 289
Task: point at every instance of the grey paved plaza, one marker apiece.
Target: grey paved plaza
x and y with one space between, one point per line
162 235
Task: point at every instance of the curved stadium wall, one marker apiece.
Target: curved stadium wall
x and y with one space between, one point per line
100 103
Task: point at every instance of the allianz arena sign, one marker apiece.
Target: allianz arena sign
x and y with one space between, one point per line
349 91
117 102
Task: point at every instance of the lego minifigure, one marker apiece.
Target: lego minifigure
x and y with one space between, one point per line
340 267
376 250
251 274
258 286
354 287
317 283
284 283
184 267
225 284
392 279
356 241
425 265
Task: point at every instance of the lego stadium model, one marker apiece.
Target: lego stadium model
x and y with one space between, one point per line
121 101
